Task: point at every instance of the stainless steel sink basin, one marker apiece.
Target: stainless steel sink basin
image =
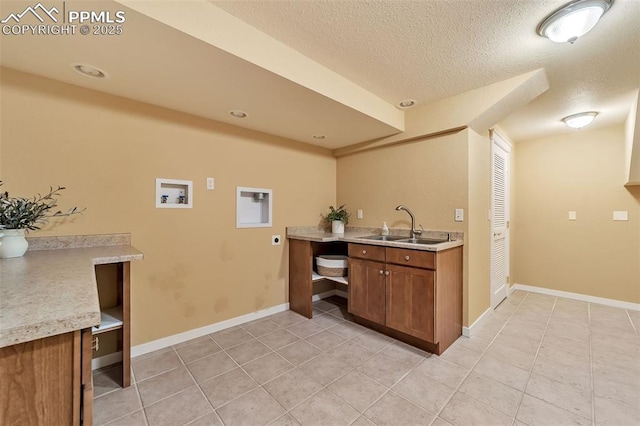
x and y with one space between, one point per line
383 237
425 241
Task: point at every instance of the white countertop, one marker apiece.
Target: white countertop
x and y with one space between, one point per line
50 292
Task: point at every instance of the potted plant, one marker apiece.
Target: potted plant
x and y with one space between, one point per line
19 215
338 218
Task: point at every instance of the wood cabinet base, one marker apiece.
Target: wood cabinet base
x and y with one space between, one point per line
398 335
47 381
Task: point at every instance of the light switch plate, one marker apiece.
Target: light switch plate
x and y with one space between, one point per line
459 216
620 215
360 214
572 215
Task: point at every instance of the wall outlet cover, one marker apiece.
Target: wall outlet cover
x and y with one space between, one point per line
459 216
211 183
572 215
620 215
359 214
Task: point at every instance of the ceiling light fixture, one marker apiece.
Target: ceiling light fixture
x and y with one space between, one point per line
573 20
578 121
319 136
407 103
89 70
238 114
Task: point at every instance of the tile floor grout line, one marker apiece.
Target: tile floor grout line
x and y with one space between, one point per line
593 396
633 325
533 364
198 384
479 358
326 387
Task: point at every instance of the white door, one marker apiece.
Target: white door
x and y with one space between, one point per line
500 150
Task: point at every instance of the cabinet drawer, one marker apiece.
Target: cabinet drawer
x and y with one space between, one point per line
416 258
364 251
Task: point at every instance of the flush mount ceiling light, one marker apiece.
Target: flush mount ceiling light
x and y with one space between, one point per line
89 70
319 136
407 103
238 114
578 121
573 20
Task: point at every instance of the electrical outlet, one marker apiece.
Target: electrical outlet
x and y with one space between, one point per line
459 215
275 240
359 214
210 183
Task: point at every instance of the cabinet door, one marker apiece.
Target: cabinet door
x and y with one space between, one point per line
411 301
40 381
366 290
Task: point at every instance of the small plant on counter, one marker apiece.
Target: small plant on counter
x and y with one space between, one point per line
31 213
341 214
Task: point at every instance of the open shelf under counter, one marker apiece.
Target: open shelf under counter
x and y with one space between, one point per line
315 277
110 319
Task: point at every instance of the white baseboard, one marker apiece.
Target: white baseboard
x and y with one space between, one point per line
202 331
212 328
468 331
578 296
106 360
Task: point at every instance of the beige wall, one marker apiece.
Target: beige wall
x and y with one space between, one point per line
432 177
478 242
582 171
198 268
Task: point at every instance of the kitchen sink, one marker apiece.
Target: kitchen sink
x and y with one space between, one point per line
383 237
425 241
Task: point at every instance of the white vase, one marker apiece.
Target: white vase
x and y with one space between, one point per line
337 227
12 243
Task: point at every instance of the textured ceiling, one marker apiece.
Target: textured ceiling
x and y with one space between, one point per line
338 67
429 50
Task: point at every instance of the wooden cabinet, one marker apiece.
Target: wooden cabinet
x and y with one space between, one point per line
301 264
410 301
367 289
113 336
413 295
47 381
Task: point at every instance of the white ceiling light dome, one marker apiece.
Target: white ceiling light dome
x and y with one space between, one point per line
573 20
580 120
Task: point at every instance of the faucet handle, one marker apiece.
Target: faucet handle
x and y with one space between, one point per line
420 231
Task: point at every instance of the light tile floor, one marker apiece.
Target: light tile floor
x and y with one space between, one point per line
538 360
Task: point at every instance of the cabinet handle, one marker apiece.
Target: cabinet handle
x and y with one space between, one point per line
381 271
406 258
95 345
364 252
386 273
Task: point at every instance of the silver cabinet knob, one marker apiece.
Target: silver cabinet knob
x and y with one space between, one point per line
381 271
364 252
386 273
406 258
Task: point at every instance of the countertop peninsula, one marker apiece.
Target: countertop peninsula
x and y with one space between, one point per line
50 292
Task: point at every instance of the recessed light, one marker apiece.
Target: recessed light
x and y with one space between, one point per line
407 103
319 136
573 20
89 70
578 121
238 114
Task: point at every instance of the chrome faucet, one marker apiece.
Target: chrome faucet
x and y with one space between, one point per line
415 233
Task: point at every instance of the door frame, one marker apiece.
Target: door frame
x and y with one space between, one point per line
498 141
